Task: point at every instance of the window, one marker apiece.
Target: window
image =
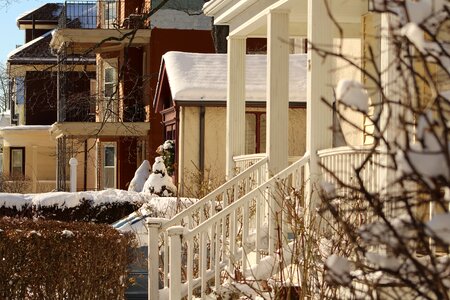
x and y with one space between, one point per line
255 132
109 165
109 107
110 14
17 162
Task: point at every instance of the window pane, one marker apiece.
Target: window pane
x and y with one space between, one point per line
17 162
109 156
262 133
250 133
110 75
109 176
109 89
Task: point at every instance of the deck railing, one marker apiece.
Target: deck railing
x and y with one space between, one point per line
225 242
340 164
90 14
218 200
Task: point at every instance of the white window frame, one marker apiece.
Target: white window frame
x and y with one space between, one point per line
108 108
104 167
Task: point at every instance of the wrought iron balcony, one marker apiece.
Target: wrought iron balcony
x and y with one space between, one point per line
90 14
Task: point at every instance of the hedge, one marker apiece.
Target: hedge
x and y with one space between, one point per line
42 259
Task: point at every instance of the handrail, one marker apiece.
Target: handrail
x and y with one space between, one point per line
281 175
348 150
179 217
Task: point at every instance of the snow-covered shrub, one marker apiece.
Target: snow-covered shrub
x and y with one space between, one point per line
105 206
167 152
49 259
159 183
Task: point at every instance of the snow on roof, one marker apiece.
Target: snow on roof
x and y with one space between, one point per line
197 76
176 19
26 127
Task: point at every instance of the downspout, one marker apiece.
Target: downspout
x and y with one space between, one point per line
179 147
201 158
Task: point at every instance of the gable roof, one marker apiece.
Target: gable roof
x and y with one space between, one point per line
37 49
47 13
203 77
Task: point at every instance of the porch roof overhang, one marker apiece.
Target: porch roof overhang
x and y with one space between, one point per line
99 129
248 18
81 40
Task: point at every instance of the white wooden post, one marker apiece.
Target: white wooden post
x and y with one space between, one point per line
235 139
73 162
153 226
277 108
318 116
175 234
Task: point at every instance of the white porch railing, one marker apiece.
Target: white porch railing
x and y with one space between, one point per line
340 163
218 200
233 238
243 162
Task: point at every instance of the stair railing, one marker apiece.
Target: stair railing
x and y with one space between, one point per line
214 202
223 245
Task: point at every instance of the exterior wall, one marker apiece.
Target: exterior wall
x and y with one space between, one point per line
162 41
40 156
189 153
215 133
351 47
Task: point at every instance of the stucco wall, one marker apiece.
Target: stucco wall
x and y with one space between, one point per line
215 141
40 154
351 48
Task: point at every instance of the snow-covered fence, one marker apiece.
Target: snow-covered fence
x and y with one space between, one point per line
225 242
208 206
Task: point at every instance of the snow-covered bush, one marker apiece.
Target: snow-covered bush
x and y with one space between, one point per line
167 152
159 183
105 206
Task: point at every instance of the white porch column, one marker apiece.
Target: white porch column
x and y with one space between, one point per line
235 138
277 90
277 110
318 116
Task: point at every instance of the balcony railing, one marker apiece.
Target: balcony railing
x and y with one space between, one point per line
90 14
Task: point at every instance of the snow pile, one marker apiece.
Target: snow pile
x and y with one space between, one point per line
140 176
352 94
159 183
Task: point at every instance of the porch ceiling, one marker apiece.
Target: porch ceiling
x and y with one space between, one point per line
82 39
98 129
249 17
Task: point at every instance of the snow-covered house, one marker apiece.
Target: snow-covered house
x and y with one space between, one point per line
229 238
128 44
191 96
